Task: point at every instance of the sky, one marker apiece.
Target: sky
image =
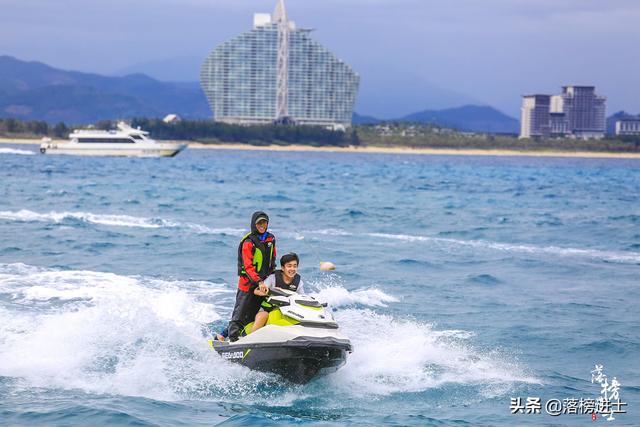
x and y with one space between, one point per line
411 55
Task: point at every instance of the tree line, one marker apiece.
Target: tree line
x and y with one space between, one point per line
433 137
33 128
205 131
215 132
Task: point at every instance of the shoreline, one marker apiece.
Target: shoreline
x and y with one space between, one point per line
381 150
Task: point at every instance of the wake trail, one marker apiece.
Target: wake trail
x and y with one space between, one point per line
113 220
17 151
612 256
159 223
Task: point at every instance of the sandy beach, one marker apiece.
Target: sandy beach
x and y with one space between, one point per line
379 150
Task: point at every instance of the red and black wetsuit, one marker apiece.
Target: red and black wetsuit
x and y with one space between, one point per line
256 261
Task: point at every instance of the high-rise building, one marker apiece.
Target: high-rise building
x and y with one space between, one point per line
578 113
584 110
534 118
628 127
558 126
277 73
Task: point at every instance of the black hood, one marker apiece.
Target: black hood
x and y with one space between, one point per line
255 216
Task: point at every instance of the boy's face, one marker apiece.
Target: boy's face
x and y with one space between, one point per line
290 269
261 226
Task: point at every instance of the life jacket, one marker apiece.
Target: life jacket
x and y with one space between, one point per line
263 259
280 283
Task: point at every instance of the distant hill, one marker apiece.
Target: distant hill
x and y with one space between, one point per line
36 91
182 68
471 118
357 119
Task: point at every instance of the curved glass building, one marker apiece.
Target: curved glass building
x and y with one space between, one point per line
276 72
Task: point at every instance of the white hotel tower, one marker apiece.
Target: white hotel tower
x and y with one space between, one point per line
277 73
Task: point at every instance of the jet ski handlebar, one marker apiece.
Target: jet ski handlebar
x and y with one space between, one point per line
280 292
281 296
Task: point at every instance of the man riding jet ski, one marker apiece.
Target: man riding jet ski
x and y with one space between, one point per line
299 342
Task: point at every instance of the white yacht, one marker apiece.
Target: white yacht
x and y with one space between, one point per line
126 141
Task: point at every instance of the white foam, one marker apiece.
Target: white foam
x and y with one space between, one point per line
106 333
338 296
331 232
203 229
612 256
112 220
143 222
16 151
402 356
137 336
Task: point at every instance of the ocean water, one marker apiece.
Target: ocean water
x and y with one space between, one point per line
463 282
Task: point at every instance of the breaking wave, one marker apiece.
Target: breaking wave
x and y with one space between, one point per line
138 336
144 222
113 220
612 256
338 296
16 151
419 358
105 333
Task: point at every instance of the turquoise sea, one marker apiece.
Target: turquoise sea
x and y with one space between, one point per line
463 283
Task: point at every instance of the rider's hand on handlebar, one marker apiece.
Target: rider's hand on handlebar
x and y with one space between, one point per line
262 290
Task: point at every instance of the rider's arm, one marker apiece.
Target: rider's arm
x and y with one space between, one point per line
247 260
270 281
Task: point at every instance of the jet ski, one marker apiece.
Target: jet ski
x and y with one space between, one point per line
300 341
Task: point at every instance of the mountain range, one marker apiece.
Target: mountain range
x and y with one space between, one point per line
467 118
471 118
378 95
36 91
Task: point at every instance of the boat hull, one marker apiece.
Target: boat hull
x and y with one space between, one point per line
113 150
298 360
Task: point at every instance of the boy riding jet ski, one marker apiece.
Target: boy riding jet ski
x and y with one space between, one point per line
292 334
300 340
